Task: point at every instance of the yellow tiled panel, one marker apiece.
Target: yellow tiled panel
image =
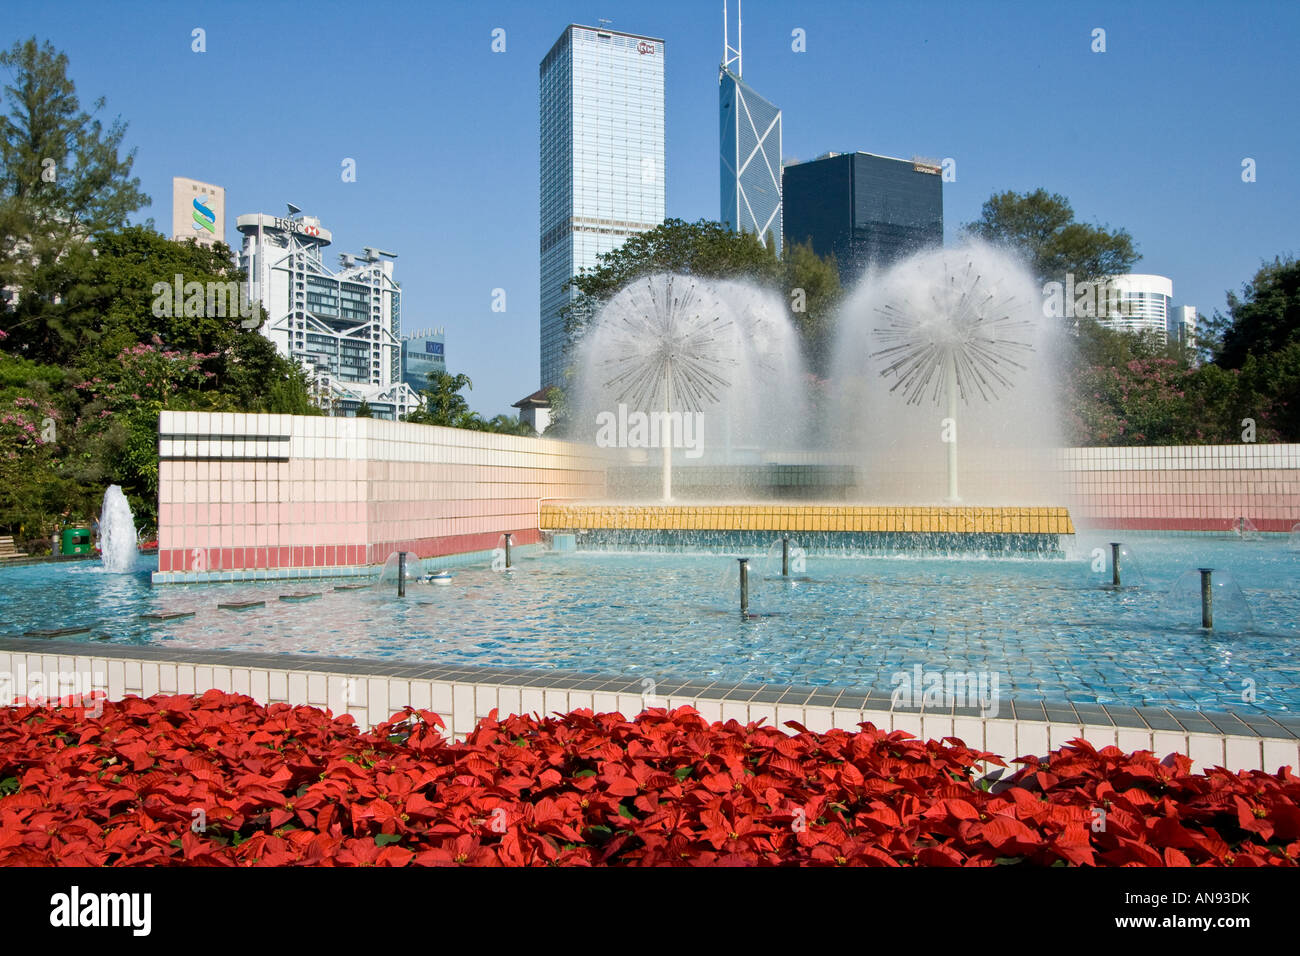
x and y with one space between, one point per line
806 518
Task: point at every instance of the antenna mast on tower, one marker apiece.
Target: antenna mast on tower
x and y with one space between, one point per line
731 54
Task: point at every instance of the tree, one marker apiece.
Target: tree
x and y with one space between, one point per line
1264 319
558 427
364 410
712 250
443 403
814 298
62 177
1043 229
445 406
703 248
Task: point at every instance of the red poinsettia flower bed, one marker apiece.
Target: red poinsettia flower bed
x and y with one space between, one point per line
221 780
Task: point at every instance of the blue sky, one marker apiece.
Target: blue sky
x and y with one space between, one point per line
1149 135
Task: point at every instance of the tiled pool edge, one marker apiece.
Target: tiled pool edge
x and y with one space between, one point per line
372 691
459 560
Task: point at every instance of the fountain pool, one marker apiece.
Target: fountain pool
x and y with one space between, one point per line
1052 630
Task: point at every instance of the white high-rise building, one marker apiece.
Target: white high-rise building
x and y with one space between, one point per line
1182 325
602 161
344 327
1144 305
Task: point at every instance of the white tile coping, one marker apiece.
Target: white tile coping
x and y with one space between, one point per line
371 696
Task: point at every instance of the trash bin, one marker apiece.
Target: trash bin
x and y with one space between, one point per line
76 541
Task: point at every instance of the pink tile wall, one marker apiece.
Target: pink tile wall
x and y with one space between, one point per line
1201 488
352 491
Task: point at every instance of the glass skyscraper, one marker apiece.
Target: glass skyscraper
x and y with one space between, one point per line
750 138
602 161
423 353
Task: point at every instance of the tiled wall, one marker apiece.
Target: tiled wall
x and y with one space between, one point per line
1184 488
239 493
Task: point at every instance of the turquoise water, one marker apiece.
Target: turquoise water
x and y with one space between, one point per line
1049 629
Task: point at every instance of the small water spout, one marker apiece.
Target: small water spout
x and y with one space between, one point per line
117 539
1207 598
744 586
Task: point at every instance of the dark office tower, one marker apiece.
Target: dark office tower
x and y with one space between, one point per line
866 209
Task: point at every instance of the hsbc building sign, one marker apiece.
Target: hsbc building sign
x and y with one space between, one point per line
645 48
293 225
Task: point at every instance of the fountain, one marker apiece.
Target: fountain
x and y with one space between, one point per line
400 569
117 540
1117 566
1214 601
713 367
953 336
1244 528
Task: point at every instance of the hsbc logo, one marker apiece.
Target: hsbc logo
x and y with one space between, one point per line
643 48
293 225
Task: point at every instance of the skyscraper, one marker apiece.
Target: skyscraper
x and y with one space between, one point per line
750 143
423 353
601 98
343 327
863 208
1145 305
1182 325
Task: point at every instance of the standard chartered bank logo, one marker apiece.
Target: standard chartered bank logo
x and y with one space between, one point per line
204 217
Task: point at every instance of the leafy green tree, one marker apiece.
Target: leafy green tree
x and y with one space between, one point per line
62 173
814 298
558 426
120 291
703 248
364 410
1042 228
443 402
1264 319
445 405
506 425
714 251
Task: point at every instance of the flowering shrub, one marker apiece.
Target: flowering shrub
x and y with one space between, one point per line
221 780
26 425
146 372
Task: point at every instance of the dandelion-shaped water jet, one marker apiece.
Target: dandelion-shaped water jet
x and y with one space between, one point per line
666 346
961 340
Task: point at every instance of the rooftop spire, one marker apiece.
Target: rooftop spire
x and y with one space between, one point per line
731 54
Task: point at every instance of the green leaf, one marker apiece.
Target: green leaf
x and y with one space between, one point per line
8 785
625 812
681 773
383 839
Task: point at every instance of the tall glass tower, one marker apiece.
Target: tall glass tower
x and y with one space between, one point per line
750 140
602 161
